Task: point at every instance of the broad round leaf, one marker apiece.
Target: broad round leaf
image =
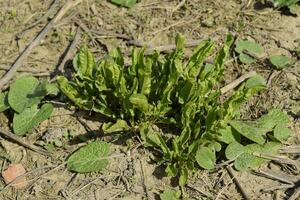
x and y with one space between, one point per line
274 117
30 117
233 150
21 93
279 61
90 158
248 45
281 132
206 157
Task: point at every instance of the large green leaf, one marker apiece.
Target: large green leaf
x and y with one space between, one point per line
272 118
251 47
233 150
248 160
22 93
90 158
281 132
279 61
206 157
30 117
251 132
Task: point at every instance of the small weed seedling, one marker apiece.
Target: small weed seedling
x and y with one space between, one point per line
24 98
158 91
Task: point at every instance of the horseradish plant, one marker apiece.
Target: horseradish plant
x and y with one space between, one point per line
158 91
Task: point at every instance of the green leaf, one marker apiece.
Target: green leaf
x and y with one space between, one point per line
279 61
139 101
30 117
228 135
253 133
51 89
3 101
206 157
125 3
183 176
72 91
171 170
233 150
256 82
21 93
84 62
248 160
119 126
281 132
251 47
170 195
90 158
273 118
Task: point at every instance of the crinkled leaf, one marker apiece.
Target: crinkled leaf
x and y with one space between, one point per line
139 101
90 158
119 126
22 93
251 132
3 101
281 132
74 93
30 117
206 157
170 195
272 118
84 62
280 61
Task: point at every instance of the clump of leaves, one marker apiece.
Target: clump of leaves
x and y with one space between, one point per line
182 95
24 98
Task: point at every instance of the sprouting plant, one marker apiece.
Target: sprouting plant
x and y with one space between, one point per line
24 98
184 97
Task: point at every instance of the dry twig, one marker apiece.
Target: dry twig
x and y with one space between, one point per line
18 140
237 82
238 184
18 63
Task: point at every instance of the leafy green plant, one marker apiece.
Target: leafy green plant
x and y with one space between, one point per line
24 97
184 97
